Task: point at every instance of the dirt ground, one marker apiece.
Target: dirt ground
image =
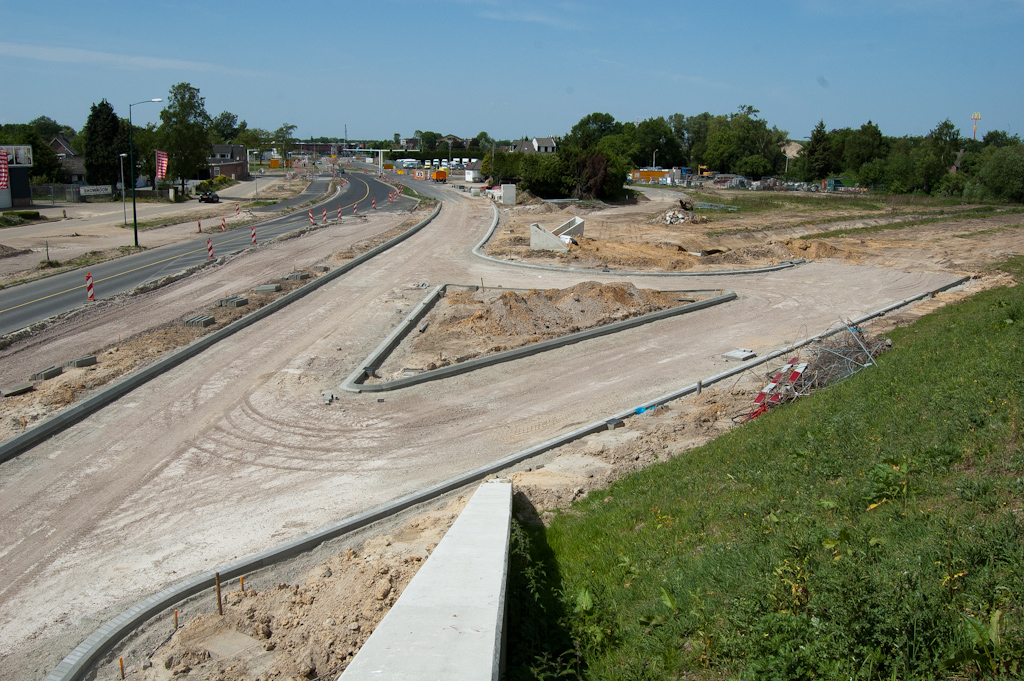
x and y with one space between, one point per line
638 238
465 324
155 335
308 623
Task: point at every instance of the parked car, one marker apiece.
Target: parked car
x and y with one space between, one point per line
209 197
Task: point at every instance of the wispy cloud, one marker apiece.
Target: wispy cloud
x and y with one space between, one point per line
128 62
529 17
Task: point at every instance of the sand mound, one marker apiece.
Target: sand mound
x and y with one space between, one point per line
556 311
469 324
7 251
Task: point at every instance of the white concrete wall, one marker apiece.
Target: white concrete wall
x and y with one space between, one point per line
448 622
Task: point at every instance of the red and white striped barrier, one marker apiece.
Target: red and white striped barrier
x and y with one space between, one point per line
339 212
373 201
311 216
238 210
223 224
209 247
89 294
324 221
355 208
253 235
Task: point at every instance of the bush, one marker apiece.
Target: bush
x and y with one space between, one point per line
1003 174
23 214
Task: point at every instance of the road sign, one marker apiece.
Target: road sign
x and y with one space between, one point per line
95 190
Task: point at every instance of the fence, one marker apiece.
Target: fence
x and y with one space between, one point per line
44 194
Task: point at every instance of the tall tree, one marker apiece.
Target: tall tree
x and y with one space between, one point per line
428 140
283 140
818 154
185 132
225 128
49 128
102 163
256 138
861 146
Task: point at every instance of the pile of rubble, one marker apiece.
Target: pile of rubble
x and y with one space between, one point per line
676 217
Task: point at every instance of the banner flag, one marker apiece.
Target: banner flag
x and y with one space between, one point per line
4 181
161 165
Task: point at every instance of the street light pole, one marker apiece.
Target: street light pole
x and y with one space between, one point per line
131 165
654 158
124 207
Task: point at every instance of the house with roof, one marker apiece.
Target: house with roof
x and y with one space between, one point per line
61 146
230 160
537 145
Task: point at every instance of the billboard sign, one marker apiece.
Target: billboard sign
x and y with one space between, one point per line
95 190
18 155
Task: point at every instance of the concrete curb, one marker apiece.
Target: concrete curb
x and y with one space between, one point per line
353 382
80 660
73 415
477 251
464 578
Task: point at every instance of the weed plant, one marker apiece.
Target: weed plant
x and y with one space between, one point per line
873 530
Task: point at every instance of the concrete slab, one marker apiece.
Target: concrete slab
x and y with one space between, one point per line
739 354
78 362
48 373
447 624
268 288
16 389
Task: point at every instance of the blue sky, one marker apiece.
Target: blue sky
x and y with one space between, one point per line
520 68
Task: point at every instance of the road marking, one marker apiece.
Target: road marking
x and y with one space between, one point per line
158 262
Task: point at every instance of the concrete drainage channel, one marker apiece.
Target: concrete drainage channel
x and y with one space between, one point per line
73 415
103 640
356 380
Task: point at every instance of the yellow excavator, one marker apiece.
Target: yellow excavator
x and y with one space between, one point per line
703 171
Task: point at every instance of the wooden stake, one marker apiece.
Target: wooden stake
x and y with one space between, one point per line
121 659
241 583
175 620
220 605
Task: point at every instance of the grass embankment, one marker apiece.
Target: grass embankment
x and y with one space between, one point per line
872 530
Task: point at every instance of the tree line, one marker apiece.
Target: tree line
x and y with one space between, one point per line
186 132
594 158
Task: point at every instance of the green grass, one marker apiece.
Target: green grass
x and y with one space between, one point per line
983 232
967 213
872 530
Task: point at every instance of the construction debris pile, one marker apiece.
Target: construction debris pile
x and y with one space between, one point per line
677 217
828 359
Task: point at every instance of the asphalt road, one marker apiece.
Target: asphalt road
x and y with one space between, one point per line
34 301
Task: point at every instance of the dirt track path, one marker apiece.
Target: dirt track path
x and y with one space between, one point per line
235 451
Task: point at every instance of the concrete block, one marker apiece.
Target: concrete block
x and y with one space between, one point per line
614 423
233 301
508 195
297 276
447 624
48 373
200 321
268 288
16 389
79 362
321 268
572 227
739 354
543 240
